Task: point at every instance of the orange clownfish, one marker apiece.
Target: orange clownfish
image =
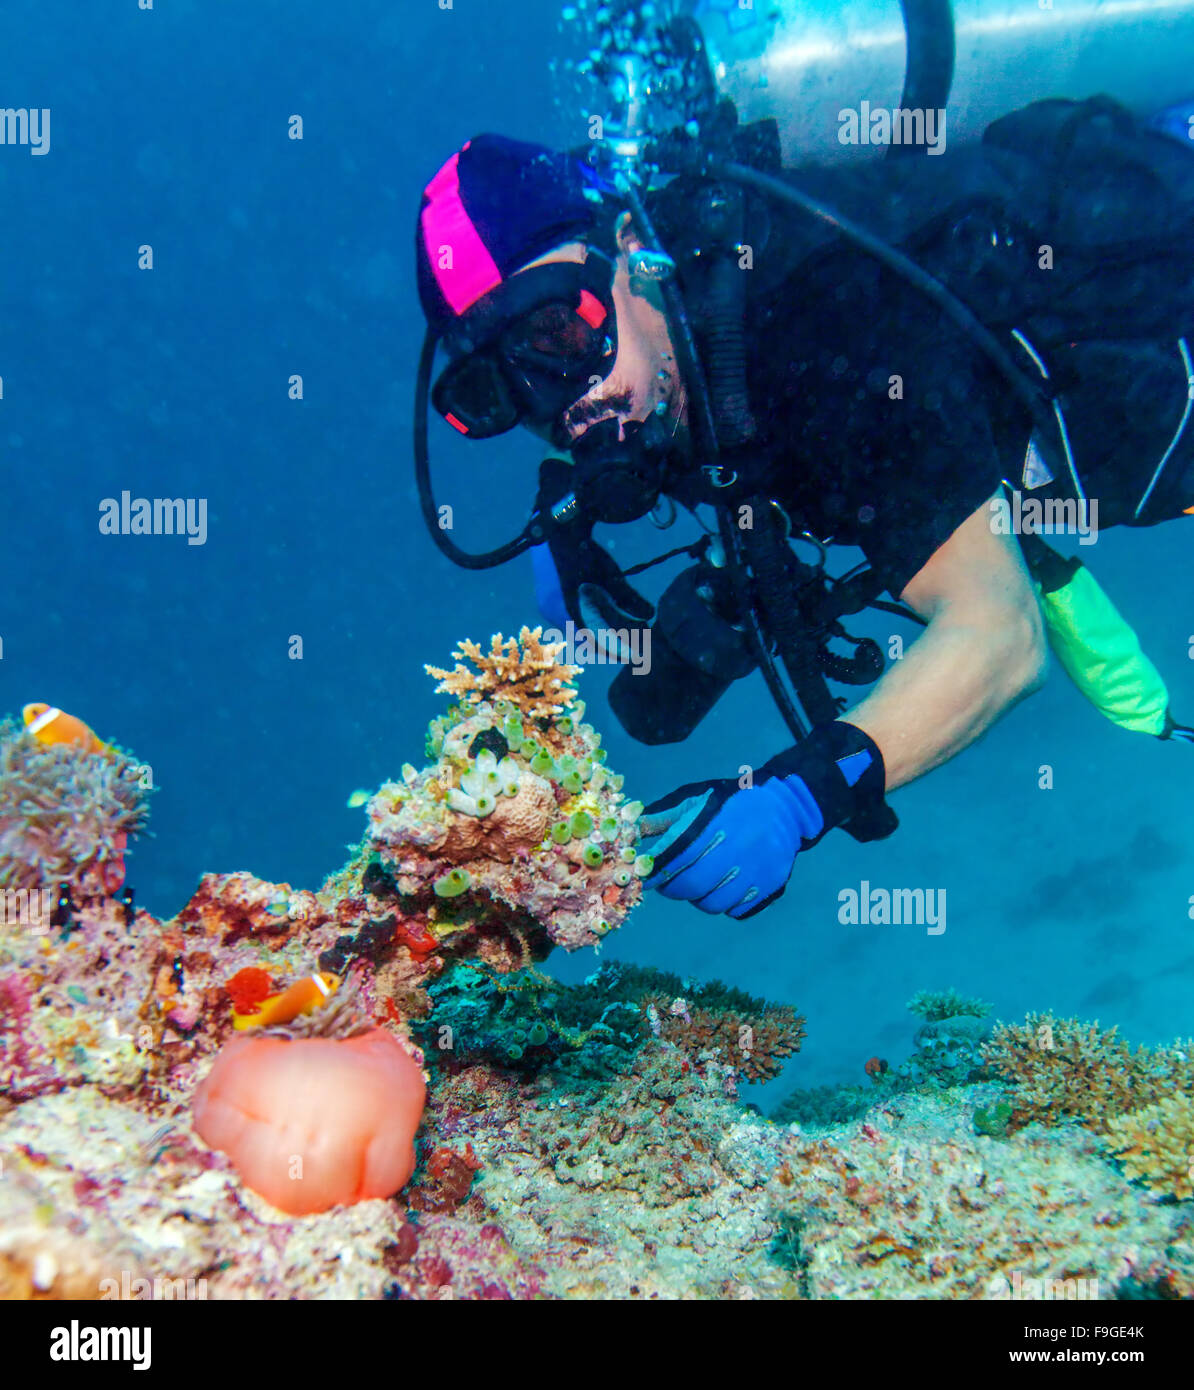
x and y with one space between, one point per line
303 997
49 724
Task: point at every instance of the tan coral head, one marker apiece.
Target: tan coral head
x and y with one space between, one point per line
525 671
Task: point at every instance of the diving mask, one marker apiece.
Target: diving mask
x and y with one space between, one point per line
530 348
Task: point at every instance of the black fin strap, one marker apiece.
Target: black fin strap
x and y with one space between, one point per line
1180 733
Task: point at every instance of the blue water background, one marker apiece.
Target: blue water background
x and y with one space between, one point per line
274 257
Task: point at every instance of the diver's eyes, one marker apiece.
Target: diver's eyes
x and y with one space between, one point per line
558 330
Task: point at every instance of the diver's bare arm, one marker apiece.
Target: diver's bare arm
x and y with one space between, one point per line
984 650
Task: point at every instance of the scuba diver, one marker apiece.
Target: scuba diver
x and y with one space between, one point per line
900 358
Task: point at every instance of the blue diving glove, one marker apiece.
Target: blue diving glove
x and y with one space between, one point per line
728 848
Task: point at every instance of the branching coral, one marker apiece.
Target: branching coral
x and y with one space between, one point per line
1066 1070
934 1005
525 671
754 1044
748 1034
528 1021
1156 1145
65 814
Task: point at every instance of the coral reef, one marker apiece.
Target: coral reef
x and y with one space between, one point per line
745 1033
527 1020
1061 1069
66 814
606 1161
1156 1145
576 1141
911 1203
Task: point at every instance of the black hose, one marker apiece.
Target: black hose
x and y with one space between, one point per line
464 558
770 559
725 352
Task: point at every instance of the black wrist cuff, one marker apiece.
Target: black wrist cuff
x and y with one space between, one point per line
843 768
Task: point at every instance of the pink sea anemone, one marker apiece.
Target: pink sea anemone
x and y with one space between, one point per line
313 1123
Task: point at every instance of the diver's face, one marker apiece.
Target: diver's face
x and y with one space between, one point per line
645 377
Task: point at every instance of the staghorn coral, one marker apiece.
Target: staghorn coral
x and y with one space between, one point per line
525 671
754 1044
750 1035
65 814
1156 1145
1063 1069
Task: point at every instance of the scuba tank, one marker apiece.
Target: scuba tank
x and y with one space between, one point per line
803 62
807 63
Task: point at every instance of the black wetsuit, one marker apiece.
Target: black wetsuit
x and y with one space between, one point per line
895 466
897 476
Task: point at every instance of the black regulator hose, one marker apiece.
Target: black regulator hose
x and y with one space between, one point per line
721 323
703 425
722 287
771 562
488 559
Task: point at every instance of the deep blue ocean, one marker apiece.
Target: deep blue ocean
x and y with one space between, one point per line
275 257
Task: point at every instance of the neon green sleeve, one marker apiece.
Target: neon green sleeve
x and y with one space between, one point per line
1102 655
